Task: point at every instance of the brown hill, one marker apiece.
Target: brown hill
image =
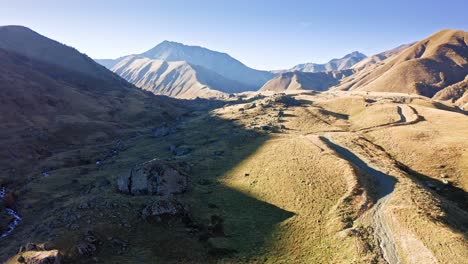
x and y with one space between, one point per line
46 107
379 58
29 43
424 68
175 78
297 80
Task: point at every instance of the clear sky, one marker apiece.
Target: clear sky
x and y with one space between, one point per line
264 34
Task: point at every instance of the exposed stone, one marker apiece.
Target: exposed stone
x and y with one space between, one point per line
153 177
86 249
250 106
164 209
42 257
31 246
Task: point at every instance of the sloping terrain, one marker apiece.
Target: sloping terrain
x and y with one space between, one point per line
297 80
25 41
424 68
300 178
344 63
49 109
175 78
208 60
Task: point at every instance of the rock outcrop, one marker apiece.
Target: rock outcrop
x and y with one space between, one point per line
38 254
154 178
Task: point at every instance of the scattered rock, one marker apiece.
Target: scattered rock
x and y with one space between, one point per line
153 177
86 249
32 246
250 106
163 210
284 100
119 245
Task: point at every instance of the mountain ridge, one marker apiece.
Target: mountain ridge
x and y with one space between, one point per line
221 63
343 63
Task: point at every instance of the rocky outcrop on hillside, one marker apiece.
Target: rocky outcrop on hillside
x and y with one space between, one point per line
154 178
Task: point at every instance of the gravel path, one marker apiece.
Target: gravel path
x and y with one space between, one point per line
385 187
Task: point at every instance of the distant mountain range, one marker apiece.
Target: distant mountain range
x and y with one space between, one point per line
201 71
177 70
434 67
343 63
298 80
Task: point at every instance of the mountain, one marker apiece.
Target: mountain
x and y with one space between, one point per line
210 63
334 65
424 68
175 78
379 58
297 80
51 97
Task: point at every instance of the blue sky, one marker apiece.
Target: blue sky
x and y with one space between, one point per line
264 34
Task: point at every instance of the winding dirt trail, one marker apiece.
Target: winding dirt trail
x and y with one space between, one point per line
408 116
385 187
385 183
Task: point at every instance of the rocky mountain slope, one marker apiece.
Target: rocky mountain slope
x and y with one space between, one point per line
215 70
343 63
423 68
297 80
47 105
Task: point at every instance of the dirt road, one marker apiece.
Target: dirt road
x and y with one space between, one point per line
385 187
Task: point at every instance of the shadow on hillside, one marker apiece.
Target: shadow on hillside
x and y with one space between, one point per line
386 183
247 223
230 222
456 210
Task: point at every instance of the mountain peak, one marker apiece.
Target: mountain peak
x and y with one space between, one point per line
355 54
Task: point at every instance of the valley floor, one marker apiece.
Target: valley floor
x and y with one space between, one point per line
334 177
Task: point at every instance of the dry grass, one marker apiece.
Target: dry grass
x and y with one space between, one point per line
283 194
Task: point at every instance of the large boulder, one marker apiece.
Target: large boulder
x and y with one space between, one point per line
42 257
153 177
